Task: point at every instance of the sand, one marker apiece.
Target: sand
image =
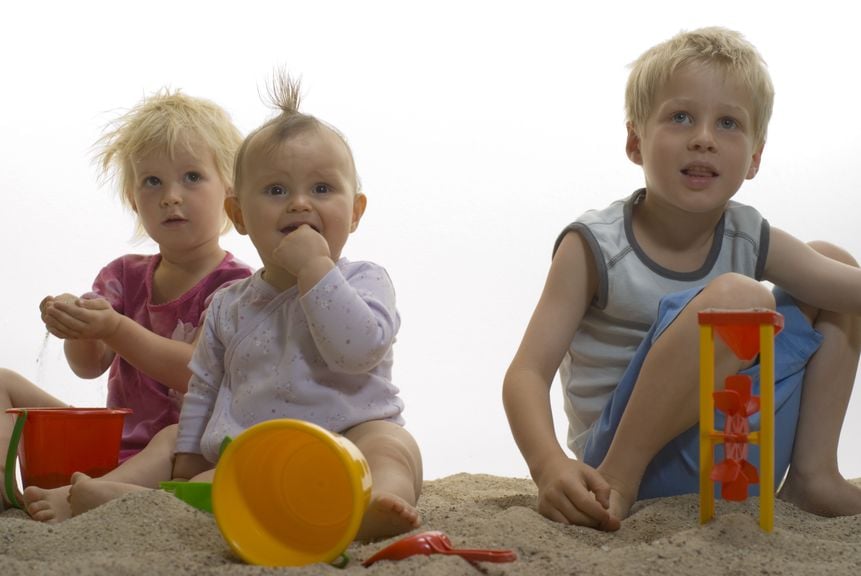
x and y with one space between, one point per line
154 533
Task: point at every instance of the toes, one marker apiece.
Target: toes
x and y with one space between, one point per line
79 477
40 511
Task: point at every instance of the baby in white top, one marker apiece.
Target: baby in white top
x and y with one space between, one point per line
324 357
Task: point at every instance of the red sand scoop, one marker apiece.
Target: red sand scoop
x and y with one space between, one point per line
435 542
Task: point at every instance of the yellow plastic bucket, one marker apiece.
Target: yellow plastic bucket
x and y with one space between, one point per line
290 493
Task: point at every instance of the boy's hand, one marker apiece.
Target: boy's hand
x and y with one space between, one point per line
69 317
571 492
300 247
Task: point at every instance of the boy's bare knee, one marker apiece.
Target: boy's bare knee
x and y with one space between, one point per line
834 252
736 291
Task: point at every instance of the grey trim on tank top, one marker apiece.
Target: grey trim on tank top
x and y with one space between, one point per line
600 299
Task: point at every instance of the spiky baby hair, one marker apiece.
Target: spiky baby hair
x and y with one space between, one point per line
285 96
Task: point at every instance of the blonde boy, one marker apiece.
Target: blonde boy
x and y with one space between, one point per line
617 316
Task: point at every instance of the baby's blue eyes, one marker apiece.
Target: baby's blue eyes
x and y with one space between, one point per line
276 191
151 181
193 177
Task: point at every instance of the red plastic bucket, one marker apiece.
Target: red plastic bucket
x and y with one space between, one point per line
57 442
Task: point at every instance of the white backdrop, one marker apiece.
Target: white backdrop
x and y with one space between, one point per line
479 130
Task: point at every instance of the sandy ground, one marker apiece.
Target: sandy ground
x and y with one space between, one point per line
154 533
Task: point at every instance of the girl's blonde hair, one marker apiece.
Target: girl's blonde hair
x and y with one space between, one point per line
160 123
284 95
726 49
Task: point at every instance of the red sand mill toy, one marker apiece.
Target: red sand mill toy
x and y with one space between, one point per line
747 333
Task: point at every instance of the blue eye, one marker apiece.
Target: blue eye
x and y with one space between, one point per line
193 177
275 190
151 181
322 189
727 123
681 118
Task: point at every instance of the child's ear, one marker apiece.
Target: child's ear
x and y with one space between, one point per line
754 164
632 145
360 202
234 212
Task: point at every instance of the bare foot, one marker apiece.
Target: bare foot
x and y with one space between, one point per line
387 515
87 493
824 495
47 504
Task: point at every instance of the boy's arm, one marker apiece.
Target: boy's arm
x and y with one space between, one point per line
568 491
94 331
810 276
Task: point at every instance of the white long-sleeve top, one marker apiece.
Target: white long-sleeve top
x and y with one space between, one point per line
325 357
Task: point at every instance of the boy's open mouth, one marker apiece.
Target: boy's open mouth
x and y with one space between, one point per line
699 171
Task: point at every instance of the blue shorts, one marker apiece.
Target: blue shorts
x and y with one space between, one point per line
675 469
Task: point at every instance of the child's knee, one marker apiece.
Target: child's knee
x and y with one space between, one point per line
382 437
7 377
736 291
386 441
4 378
